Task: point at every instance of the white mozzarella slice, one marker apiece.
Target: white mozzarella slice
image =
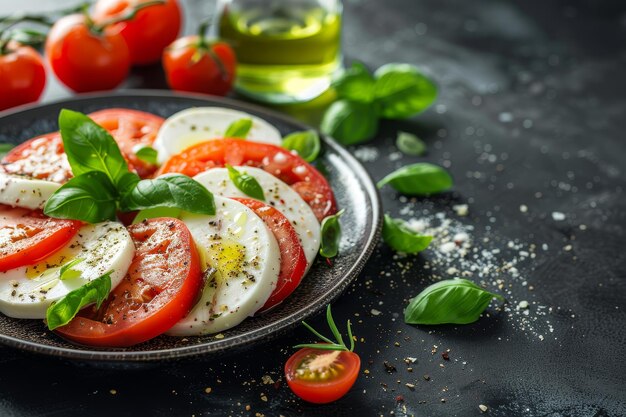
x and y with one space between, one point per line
27 292
245 256
25 192
199 124
278 195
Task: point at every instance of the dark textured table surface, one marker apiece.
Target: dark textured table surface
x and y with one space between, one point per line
530 121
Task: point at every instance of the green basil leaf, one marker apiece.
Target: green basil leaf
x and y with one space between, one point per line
402 91
453 301
147 154
172 190
127 183
410 144
330 235
64 310
350 122
418 179
239 129
66 271
152 213
306 143
90 197
246 183
355 83
89 147
401 238
5 148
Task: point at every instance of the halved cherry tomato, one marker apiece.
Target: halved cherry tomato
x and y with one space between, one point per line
292 258
290 168
162 284
322 376
28 236
199 66
22 73
41 157
84 60
132 130
149 32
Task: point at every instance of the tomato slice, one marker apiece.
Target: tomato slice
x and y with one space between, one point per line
41 157
28 236
292 258
132 130
290 168
322 376
162 284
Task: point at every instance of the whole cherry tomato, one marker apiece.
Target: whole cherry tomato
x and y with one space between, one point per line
149 32
86 57
22 75
193 63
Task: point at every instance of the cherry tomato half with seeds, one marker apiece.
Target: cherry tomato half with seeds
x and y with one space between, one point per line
149 32
86 59
322 376
194 64
22 75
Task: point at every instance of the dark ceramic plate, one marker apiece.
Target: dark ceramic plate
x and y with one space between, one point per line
353 188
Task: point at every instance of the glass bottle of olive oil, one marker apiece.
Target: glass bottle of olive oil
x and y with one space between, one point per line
287 50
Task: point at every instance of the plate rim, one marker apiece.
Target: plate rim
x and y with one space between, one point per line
258 335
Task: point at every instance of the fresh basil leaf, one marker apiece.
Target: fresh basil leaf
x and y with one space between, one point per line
66 271
246 183
64 310
89 147
306 144
147 154
454 301
355 83
410 144
418 179
330 235
401 238
152 213
5 148
350 122
172 190
127 183
402 91
239 129
90 197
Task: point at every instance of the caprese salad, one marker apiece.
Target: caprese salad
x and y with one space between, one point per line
124 226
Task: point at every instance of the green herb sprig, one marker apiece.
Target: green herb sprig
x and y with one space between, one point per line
401 238
246 183
238 129
331 235
420 179
337 344
305 143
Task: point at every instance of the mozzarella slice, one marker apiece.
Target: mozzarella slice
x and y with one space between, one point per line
199 124
245 256
27 292
25 192
277 194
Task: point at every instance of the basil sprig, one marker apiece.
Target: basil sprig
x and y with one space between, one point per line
5 148
395 91
64 310
246 183
337 344
401 238
418 179
305 143
103 184
238 129
330 235
66 271
453 301
147 154
410 144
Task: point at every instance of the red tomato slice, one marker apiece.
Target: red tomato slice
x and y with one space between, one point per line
322 376
292 258
162 284
42 157
28 236
132 130
290 168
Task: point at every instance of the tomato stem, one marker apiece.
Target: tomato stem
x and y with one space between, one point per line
129 15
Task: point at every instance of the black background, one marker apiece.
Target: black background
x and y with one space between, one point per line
542 82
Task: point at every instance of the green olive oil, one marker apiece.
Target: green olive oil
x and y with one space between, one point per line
286 54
